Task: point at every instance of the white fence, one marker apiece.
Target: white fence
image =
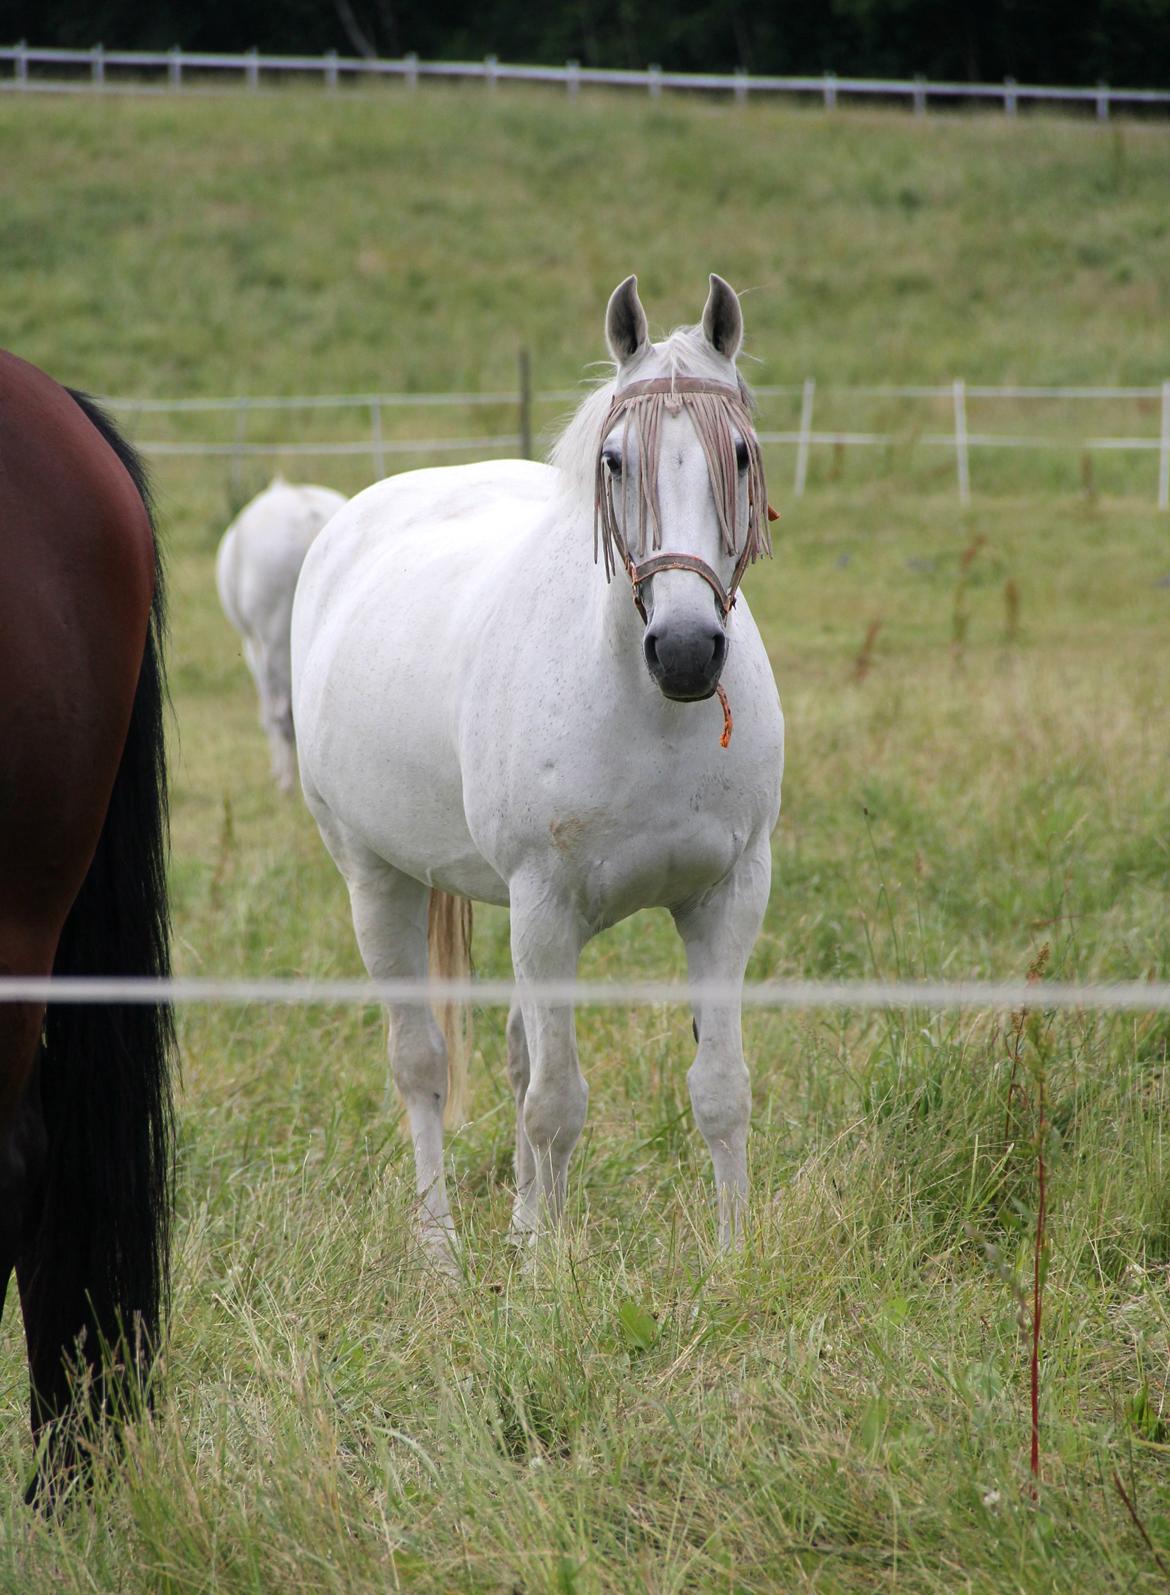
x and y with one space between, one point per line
959 439
174 69
940 996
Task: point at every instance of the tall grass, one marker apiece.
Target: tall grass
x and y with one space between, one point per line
845 1405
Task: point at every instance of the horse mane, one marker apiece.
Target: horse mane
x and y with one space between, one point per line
574 453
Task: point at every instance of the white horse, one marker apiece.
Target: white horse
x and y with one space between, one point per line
256 569
482 711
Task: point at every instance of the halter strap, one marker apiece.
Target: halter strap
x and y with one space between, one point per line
650 567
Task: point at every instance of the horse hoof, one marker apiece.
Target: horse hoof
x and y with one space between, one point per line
443 1254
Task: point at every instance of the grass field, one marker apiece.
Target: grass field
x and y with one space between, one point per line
845 1404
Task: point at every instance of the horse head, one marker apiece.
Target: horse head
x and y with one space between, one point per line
680 501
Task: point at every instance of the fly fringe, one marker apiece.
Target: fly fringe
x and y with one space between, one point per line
449 949
715 408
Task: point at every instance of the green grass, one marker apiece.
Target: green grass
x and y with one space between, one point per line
845 1405
202 246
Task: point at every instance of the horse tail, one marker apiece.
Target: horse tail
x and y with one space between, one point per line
102 1248
449 946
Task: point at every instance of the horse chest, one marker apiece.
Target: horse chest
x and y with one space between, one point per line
614 841
611 875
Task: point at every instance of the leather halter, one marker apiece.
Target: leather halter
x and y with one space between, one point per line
639 573
650 567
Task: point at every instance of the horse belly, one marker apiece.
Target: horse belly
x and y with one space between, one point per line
376 702
375 762
417 824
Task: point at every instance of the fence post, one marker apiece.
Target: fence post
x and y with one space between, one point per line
490 75
525 405
1102 102
572 78
919 95
22 63
1009 96
99 65
961 461
802 447
411 73
654 80
252 69
175 66
741 85
1164 452
830 91
331 69
377 450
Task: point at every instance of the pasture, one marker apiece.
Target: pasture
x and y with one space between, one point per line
844 1405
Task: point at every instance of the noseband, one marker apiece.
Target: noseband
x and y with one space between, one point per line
714 407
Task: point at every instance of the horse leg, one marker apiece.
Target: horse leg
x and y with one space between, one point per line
719 930
23 1154
519 1071
22 1138
390 920
275 692
22 1130
547 938
282 750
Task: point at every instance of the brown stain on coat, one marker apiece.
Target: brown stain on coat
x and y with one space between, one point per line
566 833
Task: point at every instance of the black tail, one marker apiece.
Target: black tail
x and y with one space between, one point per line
100 1260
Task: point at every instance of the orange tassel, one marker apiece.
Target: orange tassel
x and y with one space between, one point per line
728 722
773 515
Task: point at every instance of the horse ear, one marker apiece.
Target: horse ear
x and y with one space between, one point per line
625 322
723 319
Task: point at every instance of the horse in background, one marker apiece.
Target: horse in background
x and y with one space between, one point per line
256 569
86 1119
482 712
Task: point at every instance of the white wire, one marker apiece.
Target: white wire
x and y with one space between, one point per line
1135 996
364 446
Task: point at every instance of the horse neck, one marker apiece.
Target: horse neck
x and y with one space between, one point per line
611 627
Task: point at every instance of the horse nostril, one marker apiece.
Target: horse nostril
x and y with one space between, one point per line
685 663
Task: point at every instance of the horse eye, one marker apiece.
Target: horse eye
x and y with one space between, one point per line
613 461
741 454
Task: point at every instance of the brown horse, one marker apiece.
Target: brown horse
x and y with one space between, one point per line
86 1132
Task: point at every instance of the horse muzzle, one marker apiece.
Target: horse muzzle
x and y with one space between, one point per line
685 661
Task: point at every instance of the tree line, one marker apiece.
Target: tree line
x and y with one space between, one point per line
1122 42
